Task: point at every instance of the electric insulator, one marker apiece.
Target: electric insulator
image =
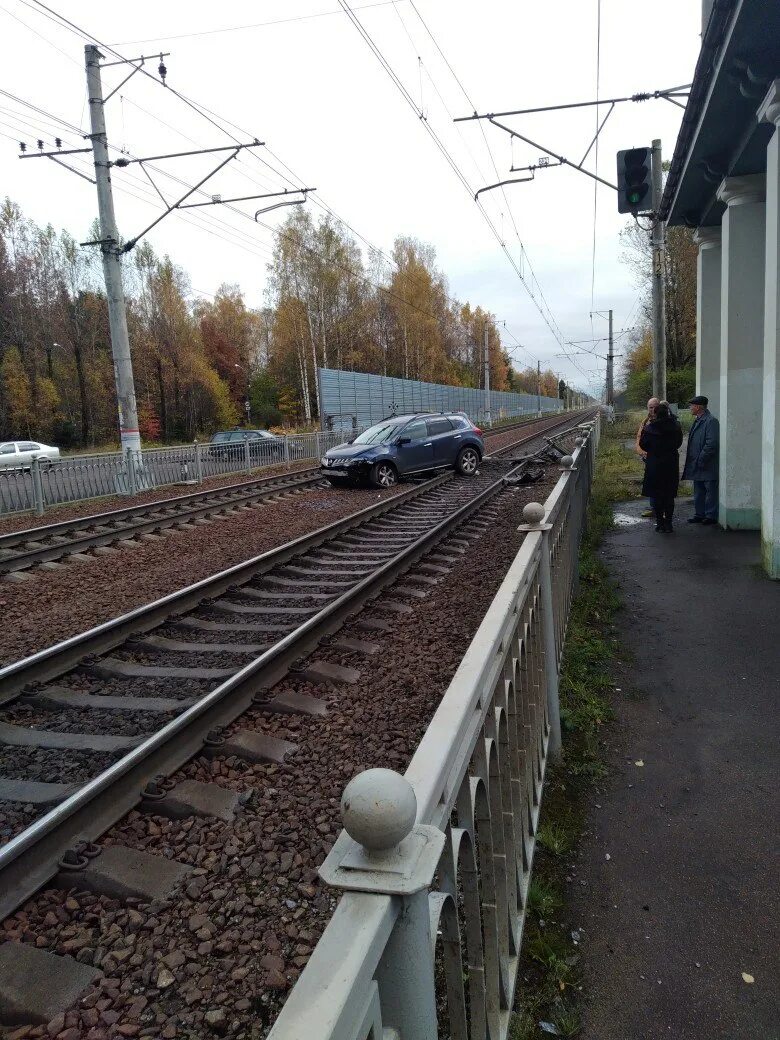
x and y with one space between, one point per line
40 145
22 146
162 69
58 142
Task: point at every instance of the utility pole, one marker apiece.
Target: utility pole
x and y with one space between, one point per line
111 249
488 417
659 303
539 387
609 366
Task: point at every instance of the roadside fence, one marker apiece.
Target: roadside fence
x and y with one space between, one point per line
77 477
435 866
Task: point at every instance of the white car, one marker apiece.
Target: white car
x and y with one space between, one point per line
19 454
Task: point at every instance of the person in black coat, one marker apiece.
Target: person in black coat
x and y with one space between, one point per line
661 439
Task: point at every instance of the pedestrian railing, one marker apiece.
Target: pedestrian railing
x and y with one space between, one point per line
435 866
76 477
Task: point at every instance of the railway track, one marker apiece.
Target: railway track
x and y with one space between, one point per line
121 528
89 723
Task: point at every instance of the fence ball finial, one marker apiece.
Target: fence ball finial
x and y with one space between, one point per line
579 441
378 809
533 513
567 462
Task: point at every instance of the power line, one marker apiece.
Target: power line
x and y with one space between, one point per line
211 117
253 25
550 322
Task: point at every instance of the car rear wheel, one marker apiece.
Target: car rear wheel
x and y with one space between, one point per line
467 462
384 475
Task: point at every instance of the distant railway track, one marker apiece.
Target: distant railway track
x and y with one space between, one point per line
178 669
22 550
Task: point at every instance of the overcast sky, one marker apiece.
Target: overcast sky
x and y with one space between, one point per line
297 75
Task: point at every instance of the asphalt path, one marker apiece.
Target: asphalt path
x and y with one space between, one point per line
676 888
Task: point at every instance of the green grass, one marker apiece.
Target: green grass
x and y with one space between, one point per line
551 986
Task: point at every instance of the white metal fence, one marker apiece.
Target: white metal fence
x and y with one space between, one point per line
425 941
76 477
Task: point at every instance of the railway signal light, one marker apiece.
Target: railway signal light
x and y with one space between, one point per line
634 178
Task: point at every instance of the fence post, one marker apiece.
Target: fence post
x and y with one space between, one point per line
383 852
247 455
533 515
35 470
198 464
287 447
132 486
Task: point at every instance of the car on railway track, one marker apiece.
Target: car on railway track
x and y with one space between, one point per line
404 445
20 454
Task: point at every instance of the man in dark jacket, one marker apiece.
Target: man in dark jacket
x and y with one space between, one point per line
701 462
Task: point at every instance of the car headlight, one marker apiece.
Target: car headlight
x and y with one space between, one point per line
324 461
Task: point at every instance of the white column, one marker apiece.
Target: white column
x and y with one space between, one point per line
770 449
741 351
708 316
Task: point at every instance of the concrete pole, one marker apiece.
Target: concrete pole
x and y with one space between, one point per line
610 366
659 302
539 387
112 268
743 235
769 112
708 278
488 418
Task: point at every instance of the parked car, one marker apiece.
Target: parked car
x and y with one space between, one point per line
19 454
263 446
404 445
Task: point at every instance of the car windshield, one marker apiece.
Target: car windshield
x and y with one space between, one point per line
379 434
218 438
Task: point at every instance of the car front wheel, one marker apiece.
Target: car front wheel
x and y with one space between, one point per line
467 462
384 475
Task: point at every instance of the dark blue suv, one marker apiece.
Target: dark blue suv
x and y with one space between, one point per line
403 445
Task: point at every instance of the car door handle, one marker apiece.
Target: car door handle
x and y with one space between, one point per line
457 437
428 444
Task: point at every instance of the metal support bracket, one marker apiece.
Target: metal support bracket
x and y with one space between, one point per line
400 871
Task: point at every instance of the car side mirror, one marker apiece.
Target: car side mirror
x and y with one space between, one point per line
403 440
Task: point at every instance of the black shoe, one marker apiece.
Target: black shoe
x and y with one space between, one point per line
668 529
708 522
698 520
659 527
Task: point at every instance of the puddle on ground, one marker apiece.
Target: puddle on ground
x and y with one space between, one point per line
625 520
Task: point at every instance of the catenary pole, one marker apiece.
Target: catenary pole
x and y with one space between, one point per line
539 387
488 417
610 366
659 303
110 247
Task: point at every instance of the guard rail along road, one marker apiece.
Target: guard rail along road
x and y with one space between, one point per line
73 478
435 866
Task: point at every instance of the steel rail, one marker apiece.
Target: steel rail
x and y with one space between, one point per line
30 859
56 659
188 507
193 506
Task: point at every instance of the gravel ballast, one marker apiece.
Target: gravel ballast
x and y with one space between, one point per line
219 958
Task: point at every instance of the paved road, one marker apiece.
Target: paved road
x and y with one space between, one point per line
677 888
